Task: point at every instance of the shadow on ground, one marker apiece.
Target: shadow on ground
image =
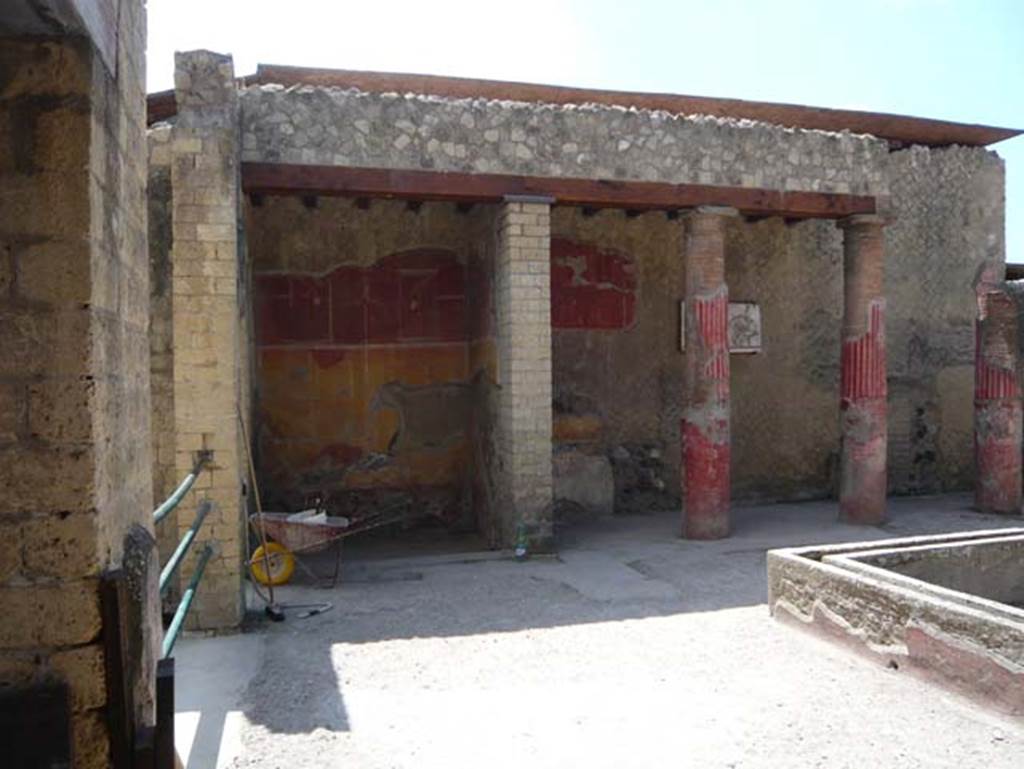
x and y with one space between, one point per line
610 571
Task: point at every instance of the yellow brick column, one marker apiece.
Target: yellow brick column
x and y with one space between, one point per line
207 332
522 293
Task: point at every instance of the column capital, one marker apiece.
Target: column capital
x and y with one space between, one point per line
724 211
864 220
530 199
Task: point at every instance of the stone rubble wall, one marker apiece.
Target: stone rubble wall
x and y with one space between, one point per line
949 214
333 126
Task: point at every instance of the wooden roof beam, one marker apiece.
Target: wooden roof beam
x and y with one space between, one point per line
287 179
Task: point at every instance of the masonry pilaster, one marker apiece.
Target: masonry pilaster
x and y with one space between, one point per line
208 335
522 284
863 391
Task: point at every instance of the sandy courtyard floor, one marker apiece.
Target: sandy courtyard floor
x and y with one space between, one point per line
632 648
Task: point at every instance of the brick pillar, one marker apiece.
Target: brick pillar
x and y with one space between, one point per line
997 405
206 328
75 488
522 290
706 447
862 398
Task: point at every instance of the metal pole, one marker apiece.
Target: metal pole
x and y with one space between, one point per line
179 493
186 542
186 602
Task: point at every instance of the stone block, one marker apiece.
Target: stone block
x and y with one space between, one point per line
18 669
50 615
52 68
55 271
60 546
27 479
29 201
585 480
90 742
12 411
10 553
61 138
60 411
35 342
83 668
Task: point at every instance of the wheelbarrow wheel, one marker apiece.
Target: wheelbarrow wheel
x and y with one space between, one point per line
274 567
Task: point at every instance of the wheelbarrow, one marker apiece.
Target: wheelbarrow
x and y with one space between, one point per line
312 531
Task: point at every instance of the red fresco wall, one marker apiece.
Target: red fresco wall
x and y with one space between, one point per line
412 296
363 378
365 372
591 288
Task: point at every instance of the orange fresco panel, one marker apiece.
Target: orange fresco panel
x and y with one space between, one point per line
429 467
283 373
383 365
340 379
483 356
321 404
289 418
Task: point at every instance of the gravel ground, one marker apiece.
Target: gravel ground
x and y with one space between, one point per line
631 649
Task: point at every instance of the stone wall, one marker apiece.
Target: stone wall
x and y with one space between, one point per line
365 377
618 349
483 365
75 474
617 389
949 208
784 399
331 126
627 372
161 335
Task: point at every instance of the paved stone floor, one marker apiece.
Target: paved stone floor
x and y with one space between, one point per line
631 649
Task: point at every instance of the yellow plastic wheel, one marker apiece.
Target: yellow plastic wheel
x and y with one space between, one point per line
274 569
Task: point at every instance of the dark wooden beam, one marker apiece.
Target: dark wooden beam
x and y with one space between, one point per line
365 183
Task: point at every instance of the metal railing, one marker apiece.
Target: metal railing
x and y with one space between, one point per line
179 493
186 541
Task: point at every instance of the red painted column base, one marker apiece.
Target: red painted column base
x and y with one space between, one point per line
706 457
997 451
862 485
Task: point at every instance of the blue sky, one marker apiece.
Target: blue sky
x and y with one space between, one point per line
953 59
